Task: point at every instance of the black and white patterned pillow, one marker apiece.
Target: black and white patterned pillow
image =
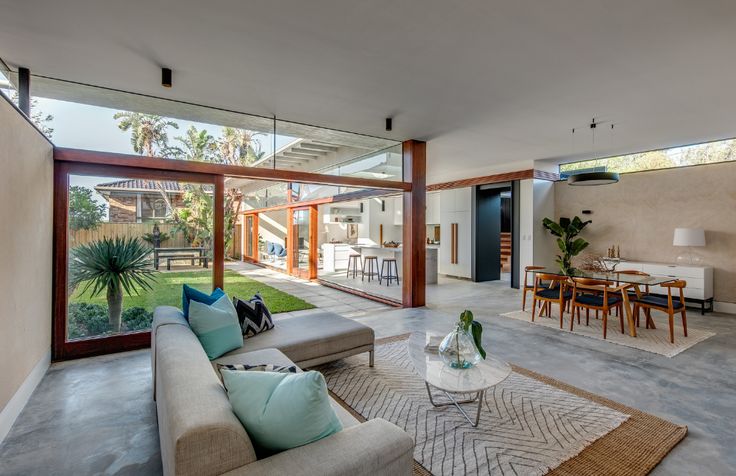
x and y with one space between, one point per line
291 369
259 368
253 315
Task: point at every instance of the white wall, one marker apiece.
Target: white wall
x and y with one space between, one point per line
545 245
26 187
536 246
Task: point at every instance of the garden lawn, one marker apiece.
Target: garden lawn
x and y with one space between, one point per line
167 292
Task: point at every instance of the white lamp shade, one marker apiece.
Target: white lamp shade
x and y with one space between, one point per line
689 237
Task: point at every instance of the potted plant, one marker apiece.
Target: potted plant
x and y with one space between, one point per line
566 231
462 348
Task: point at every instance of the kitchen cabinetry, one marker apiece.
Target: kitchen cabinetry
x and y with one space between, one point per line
433 208
455 208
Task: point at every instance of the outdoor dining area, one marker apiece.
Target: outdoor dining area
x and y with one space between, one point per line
625 293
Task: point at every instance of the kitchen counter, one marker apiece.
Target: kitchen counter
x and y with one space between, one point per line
381 252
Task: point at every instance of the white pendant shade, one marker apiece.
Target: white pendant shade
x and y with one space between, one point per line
689 237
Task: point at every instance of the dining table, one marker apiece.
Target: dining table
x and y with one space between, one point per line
623 283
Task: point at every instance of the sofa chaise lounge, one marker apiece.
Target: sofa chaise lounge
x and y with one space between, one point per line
199 433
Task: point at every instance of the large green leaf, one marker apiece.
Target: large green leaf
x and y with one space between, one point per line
578 246
553 227
466 319
477 331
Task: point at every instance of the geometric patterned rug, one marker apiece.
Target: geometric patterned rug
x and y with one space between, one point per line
656 340
526 427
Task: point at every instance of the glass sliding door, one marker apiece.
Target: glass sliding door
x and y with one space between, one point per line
129 245
302 242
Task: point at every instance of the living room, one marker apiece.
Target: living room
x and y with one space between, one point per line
505 238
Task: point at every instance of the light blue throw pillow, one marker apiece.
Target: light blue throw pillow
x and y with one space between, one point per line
281 410
216 326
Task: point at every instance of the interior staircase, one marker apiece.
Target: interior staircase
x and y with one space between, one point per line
505 252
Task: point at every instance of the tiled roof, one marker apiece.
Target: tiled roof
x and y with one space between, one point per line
144 185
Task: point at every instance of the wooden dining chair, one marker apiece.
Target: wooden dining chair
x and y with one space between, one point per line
596 294
528 287
633 294
668 305
556 292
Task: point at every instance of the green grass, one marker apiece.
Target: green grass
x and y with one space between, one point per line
167 291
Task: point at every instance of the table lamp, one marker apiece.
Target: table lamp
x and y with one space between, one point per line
689 237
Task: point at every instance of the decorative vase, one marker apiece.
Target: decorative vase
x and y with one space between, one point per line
458 349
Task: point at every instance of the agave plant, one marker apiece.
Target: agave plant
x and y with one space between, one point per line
114 265
566 231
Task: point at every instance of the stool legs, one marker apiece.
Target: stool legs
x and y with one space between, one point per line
387 273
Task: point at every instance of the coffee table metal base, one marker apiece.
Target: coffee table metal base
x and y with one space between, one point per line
478 398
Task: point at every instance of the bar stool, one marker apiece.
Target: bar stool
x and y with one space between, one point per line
386 272
354 258
369 262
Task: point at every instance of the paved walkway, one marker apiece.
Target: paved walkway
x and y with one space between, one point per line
323 297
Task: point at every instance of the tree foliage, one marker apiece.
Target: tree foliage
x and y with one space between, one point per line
84 212
116 265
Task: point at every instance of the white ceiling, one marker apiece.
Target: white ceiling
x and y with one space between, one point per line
485 82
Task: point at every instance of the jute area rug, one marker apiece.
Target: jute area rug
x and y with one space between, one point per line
530 424
656 340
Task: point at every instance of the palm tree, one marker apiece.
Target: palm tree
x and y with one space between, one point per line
235 144
148 136
195 145
115 265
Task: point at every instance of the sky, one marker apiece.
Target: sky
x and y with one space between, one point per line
83 126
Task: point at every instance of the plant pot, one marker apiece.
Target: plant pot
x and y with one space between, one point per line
458 349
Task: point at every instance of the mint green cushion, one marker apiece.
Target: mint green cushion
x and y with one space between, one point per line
216 326
281 410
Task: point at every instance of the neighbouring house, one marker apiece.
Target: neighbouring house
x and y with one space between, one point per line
137 201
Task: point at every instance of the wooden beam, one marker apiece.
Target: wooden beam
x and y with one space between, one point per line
486 179
313 241
414 247
256 173
60 265
290 241
218 271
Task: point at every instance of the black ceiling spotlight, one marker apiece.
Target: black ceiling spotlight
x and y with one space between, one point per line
389 123
593 178
166 77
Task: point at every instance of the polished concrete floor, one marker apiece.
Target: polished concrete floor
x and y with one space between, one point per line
95 416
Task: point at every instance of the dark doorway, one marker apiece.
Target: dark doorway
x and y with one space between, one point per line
493 225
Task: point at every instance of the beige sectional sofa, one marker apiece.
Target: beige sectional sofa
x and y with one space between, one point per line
199 433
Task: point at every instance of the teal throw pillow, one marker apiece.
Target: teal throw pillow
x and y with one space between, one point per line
281 410
189 294
216 326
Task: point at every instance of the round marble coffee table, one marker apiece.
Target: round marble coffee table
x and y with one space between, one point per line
475 380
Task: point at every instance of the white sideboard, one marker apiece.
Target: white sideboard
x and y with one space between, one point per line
699 278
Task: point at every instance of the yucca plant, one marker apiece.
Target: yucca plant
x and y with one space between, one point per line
114 265
566 231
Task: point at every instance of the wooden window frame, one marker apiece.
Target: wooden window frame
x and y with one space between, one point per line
63 349
85 162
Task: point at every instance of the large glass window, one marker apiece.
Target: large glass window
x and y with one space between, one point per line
698 154
132 243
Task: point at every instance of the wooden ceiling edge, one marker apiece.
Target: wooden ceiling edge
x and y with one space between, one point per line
495 178
277 175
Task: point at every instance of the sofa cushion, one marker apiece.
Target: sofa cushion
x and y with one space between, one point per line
275 357
312 336
253 315
281 410
189 294
216 326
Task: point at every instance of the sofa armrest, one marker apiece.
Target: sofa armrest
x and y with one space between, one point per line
373 448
